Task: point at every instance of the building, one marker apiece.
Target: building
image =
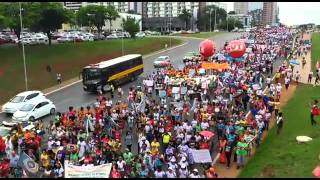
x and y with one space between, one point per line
121 7
240 7
269 13
254 6
135 7
116 25
244 19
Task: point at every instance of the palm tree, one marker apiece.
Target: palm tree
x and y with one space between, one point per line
185 16
111 15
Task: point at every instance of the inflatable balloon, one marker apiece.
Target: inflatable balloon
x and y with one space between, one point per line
207 48
236 48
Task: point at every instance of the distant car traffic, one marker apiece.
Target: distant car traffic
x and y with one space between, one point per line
162 61
34 110
20 100
191 56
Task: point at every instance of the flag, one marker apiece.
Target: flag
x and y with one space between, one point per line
28 164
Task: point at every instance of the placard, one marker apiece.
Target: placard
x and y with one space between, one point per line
201 156
175 90
162 93
149 83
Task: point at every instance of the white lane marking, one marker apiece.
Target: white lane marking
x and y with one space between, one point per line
63 87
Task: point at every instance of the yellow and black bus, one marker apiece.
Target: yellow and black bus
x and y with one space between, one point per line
114 71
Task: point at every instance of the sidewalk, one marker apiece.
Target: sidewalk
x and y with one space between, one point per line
304 72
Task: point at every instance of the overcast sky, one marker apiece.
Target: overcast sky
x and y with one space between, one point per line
292 13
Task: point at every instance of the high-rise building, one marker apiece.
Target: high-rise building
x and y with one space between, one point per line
269 14
241 7
136 7
121 7
254 6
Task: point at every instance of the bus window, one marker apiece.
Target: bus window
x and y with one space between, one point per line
91 74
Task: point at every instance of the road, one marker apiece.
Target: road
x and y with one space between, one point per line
76 97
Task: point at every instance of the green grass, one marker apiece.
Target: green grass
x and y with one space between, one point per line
67 59
315 50
201 34
282 156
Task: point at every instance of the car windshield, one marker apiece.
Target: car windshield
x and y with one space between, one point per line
161 58
27 107
17 99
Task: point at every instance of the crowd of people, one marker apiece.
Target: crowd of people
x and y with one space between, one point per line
165 117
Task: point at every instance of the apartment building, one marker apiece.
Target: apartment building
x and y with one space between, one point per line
254 6
240 7
121 7
270 13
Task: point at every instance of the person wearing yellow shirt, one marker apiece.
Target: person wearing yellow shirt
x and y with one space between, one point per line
276 105
45 160
155 145
165 140
204 115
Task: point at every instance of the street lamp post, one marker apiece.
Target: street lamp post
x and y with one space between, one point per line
122 47
23 53
170 30
215 18
227 23
210 20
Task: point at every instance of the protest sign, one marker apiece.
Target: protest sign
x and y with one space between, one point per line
201 156
100 171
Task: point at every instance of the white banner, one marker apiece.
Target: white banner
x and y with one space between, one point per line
201 156
101 171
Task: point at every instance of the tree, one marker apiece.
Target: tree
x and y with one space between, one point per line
232 23
92 15
11 13
232 12
131 25
112 15
2 22
185 17
52 16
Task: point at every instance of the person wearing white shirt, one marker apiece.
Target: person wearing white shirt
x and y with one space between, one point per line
194 174
171 173
159 173
204 125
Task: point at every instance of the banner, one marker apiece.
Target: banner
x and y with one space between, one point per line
215 66
28 164
101 171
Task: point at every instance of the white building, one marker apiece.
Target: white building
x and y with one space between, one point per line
240 7
121 7
117 24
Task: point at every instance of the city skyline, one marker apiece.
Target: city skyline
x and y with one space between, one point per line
295 13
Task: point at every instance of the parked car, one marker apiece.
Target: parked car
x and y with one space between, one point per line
20 100
40 38
140 34
112 36
34 110
64 39
191 56
97 37
162 61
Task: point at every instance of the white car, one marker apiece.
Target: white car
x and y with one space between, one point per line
140 35
162 61
64 39
20 100
112 36
34 110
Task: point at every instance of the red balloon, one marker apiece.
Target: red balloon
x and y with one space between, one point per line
207 48
236 48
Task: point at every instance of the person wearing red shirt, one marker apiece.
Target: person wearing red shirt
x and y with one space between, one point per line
5 166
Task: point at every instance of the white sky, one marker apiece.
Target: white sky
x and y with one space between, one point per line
293 13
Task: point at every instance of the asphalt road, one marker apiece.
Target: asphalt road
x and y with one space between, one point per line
76 97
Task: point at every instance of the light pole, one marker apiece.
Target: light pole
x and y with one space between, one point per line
215 18
227 23
122 48
90 21
170 29
23 53
210 19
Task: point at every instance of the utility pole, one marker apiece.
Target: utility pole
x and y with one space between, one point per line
210 21
23 53
215 18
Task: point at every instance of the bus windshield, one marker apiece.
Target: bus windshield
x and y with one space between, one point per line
91 74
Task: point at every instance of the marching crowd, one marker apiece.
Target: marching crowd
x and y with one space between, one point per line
166 117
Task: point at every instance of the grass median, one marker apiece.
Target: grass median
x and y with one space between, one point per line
67 59
281 156
315 50
201 34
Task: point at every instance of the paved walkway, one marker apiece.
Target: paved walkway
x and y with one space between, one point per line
304 71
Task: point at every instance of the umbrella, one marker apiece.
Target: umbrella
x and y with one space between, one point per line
207 134
294 62
316 172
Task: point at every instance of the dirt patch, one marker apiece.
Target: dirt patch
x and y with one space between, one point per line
268 172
